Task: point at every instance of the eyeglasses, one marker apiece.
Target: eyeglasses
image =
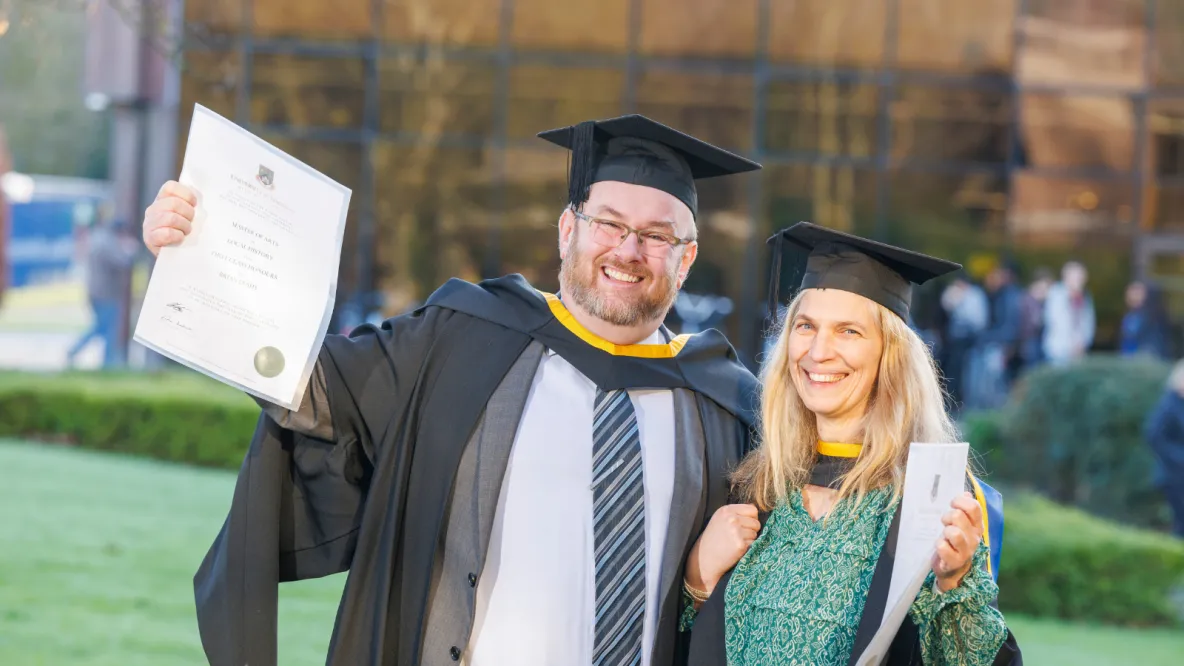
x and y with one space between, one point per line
613 234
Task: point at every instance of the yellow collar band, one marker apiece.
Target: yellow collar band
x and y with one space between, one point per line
565 317
839 450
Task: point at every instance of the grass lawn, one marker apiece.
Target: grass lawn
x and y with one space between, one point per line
97 560
98 552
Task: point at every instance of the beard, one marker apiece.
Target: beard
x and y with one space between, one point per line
579 276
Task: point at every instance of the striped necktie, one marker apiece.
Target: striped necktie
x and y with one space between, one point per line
618 523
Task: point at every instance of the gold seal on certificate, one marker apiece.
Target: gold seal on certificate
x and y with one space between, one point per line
269 362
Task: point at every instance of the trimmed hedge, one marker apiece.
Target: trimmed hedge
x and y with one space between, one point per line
1061 562
1075 435
177 417
1056 561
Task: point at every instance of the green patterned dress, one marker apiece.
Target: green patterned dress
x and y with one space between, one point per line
797 595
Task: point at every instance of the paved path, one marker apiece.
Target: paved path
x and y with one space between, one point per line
38 325
44 351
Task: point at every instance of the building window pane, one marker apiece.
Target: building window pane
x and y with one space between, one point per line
584 26
1166 269
211 79
842 198
543 98
720 28
718 273
457 22
965 125
959 35
1059 211
436 96
1169 43
535 192
1077 131
339 19
1128 13
1082 42
821 118
432 209
1165 124
1054 220
947 215
304 91
215 15
845 33
952 216
1167 212
716 108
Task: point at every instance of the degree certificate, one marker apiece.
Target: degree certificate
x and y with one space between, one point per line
246 297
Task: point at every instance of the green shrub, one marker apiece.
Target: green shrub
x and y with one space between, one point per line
984 432
1075 435
1061 562
178 417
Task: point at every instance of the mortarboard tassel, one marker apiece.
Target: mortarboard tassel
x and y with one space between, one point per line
583 163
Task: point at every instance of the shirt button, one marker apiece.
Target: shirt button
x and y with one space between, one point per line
472 580
455 652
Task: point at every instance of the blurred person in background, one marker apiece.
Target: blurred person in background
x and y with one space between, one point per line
5 213
1146 329
110 254
1032 318
1069 317
992 364
967 314
1164 432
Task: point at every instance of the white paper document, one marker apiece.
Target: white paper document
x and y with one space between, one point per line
246 298
934 477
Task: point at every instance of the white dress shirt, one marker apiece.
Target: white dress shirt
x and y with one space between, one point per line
536 598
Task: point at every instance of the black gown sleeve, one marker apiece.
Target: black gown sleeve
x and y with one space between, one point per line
371 374
312 418
298 501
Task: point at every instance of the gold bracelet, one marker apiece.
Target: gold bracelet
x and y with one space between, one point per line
697 595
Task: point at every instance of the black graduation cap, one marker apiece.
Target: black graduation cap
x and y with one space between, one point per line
837 260
637 150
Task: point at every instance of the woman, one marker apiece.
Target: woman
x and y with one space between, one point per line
847 388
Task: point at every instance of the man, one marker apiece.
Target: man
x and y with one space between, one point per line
510 477
993 360
110 254
1069 318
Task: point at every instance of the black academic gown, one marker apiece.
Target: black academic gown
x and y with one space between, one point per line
404 398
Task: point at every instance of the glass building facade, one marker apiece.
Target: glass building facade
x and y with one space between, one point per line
1039 129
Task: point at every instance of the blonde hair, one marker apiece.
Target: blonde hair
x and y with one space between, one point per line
906 405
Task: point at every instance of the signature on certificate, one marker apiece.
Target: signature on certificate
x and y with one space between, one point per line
173 319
